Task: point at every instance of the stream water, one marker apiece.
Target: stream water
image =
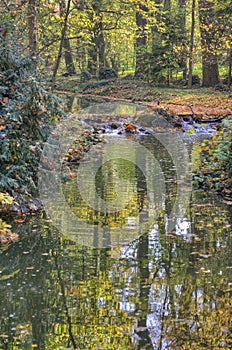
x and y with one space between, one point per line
146 277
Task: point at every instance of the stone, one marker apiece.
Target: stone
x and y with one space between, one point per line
220 87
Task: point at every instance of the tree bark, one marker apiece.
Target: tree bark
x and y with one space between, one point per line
70 68
230 67
167 7
101 45
97 49
191 45
32 27
68 57
184 53
56 67
141 42
93 59
210 73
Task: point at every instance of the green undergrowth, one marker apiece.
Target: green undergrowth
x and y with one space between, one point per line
27 112
213 170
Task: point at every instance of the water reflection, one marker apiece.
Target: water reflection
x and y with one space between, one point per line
162 290
83 213
159 292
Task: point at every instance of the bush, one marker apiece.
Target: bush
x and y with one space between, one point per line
214 164
196 80
107 73
85 76
26 113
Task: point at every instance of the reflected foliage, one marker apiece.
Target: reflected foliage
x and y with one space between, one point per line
165 290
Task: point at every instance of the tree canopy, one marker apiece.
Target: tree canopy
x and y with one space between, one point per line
155 40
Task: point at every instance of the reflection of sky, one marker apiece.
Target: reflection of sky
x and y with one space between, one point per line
124 303
154 244
127 306
155 332
159 307
128 252
182 226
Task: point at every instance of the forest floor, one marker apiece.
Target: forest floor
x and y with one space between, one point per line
203 104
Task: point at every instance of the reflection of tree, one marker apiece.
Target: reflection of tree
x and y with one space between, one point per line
167 166
65 304
107 181
144 287
172 291
24 299
193 278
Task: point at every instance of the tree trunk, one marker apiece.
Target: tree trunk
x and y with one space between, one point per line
70 68
167 7
182 12
97 49
32 27
191 45
101 45
68 57
93 59
141 42
56 67
230 66
210 73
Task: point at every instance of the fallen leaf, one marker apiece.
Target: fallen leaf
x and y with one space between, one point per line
72 175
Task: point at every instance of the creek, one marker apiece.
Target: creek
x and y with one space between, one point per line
135 258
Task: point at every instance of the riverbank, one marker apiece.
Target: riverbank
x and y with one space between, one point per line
202 104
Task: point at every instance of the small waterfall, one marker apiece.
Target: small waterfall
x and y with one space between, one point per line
194 130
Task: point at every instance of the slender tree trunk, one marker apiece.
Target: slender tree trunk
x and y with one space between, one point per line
191 45
92 59
210 73
230 67
32 27
167 7
141 42
68 57
56 67
66 45
182 11
101 45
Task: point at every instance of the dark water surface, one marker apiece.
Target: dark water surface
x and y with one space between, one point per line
160 289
